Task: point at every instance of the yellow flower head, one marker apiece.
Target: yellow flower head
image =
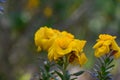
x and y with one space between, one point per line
105 44
76 55
70 47
44 37
60 46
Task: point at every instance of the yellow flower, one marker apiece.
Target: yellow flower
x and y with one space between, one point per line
44 37
70 47
60 46
77 55
105 44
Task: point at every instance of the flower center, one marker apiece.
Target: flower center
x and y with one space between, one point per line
72 56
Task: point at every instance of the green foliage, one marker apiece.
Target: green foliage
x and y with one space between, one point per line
103 69
78 73
47 73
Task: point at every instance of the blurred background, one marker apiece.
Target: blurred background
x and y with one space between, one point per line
86 19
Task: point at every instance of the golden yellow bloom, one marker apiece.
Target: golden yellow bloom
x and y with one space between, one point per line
76 55
48 11
60 46
70 47
105 44
44 37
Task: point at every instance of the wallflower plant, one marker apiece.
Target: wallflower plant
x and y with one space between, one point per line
106 49
64 49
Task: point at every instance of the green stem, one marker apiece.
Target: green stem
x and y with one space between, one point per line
65 64
65 73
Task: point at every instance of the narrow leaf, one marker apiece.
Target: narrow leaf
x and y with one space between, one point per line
110 61
78 73
110 67
73 78
59 74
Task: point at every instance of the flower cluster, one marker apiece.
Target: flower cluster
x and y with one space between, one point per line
59 44
64 48
106 49
105 44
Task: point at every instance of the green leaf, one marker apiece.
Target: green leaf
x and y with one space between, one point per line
107 60
78 73
60 75
106 73
47 67
101 60
52 76
103 68
66 75
73 78
110 66
97 66
60 67
110 61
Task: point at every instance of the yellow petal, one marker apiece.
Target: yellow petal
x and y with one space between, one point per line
97 53
107 43
39 49
77 45
101 51
106 37
69 35
82 59
51 53
98 44
114 45
117 55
